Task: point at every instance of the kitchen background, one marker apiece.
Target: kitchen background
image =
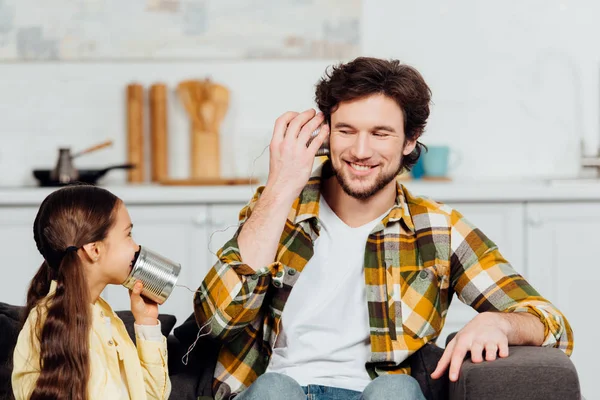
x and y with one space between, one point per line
516 90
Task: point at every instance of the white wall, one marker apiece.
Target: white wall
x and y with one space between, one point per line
515 87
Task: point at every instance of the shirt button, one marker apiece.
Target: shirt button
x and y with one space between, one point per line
292 271
254 277
110 342
424 274
279 274
277 284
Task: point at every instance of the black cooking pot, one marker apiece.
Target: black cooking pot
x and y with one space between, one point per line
89 176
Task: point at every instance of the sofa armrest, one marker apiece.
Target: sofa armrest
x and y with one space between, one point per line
535 373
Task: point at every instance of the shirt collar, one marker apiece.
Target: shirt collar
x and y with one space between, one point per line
306 206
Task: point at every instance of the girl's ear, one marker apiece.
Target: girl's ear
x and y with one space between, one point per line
92 251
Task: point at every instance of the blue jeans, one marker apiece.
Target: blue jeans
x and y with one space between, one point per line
272 386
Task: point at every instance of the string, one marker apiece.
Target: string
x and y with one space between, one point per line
252 169
199 335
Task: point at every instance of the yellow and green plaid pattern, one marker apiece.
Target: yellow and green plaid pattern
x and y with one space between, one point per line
416 258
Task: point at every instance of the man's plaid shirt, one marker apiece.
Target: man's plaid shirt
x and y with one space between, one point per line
416 258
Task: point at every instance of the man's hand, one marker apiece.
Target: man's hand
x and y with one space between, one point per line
290 166
487 331
291 161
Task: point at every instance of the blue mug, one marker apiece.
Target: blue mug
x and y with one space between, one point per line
417 171
436 161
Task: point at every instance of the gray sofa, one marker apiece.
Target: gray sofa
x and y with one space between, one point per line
529 373
532 373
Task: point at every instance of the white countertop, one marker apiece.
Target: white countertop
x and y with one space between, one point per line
468 191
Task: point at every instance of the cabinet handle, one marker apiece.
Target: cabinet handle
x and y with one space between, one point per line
200 220
535 222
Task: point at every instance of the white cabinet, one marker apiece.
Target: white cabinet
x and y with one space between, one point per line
503 224
563 266
20 257
178 233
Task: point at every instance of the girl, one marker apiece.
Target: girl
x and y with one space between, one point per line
73 346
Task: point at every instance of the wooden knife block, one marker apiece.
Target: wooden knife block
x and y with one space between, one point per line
205 154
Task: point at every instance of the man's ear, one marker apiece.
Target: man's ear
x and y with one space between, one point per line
92 251
409 146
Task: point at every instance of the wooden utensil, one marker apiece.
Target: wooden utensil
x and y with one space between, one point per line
187 91
204 142
99 146
219 96
206 103
159 144
201 96
135 131
205 160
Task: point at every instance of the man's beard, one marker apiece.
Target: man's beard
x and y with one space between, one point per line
381 181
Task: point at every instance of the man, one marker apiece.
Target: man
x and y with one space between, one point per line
335 278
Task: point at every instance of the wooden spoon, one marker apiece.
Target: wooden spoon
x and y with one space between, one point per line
200 90
187 93
219 96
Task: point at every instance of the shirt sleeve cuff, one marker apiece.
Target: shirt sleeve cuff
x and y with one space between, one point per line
152 352
148 332
544 316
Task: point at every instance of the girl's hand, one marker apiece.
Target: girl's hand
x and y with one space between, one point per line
145 312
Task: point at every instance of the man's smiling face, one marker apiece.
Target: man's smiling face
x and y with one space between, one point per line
367 144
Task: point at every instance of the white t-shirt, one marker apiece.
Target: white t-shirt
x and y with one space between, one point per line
324 338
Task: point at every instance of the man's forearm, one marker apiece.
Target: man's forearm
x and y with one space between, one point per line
259 239
522 329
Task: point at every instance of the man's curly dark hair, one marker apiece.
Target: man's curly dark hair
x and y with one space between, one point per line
365 76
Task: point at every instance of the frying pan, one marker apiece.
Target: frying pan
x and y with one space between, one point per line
89 176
